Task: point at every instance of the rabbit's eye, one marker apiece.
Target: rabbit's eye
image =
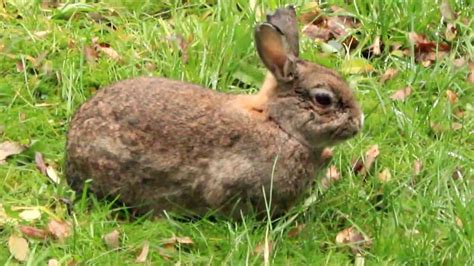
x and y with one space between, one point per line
322 97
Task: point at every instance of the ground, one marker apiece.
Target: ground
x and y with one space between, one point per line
413 206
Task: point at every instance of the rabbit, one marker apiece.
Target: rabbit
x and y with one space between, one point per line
161 145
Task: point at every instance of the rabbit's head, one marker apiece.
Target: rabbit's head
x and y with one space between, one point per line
309 102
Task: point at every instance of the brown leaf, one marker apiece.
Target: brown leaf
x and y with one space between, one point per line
182 45
385 176
459 222
316 32
417 167
51 173
59 229
53 262
452 96
375 48
91 54
363 166
41 34
459 62
34 232
451 32
326 155
266 247
112 239
446 11
30 214
108 51
471 74
456 126
457 174
171 242
389 74
295 231
310 13
9 148
353 238
144 253
20 66
40 164
427 51
18 247
402 94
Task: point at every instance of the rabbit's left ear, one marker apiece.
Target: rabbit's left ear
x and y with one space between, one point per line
275 53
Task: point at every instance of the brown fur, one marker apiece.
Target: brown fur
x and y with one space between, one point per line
161 144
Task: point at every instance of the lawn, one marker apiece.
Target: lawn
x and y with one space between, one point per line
413 205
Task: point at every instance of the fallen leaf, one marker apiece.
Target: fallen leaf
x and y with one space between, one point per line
30 215
363 166
459 222
264 247
59 229
34 232
108 51
471 74
295 231
40 164
51 173
385 176
144 253
177 240
112 239
315 32
9 148
459 62
452 96
389 74
450 32
182 45
356 66
310 13
375 48
417 167
402 94
426 51
354 239
20 66
446 11
90 54
18 247
41 34
457 174
53 262
326 154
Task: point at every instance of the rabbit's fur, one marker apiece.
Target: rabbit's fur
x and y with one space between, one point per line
161 144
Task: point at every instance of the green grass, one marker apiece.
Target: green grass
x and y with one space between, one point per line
411 220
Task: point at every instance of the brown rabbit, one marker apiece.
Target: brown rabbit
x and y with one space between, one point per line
160 144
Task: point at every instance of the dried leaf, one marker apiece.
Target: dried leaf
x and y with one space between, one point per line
427 51
353 238
389 74
451 32
91 54
385 176
417 167
30 215
112 239
34 232
40 164
18 247
457 174
53 262
51 173
452 96
315 32
20 66
59 229
295 231
356 66
471 74
326 155
144 253
459 62
41 34
9 148
177 240
446 11
266 247
375 48
363 166
310 13
459 222
108 51
182 45
402 94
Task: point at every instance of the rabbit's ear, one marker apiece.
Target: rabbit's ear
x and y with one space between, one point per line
273 49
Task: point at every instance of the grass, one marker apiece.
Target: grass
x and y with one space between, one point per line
410 219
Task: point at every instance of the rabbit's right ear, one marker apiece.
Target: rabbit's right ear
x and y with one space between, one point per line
274 50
